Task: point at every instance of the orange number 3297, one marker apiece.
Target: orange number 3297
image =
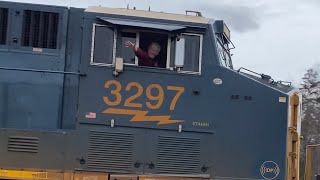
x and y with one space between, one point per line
154 92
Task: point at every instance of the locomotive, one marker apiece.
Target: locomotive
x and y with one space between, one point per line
78 103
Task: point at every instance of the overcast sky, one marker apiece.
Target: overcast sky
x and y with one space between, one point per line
276 37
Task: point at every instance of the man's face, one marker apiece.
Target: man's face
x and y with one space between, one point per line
153 51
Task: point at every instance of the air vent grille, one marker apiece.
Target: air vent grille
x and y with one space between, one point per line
23 144
3 25
110 151
178 155
40 29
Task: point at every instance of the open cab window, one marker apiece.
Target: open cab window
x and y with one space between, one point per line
145 47
186 53
141 41
103 41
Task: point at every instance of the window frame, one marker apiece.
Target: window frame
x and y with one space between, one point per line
114 48
200 55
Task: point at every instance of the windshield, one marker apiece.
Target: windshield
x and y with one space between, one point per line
224 54
222 34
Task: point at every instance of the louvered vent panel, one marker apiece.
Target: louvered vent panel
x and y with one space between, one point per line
23 144
110 151
178 155
40 29
3 25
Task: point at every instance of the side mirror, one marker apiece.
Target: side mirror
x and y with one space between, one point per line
180 51
118 66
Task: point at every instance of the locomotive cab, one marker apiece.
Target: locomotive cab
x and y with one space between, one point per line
181 42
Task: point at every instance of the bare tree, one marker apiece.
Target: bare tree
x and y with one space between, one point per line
310 130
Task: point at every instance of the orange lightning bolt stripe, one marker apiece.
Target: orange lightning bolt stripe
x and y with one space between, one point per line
141 116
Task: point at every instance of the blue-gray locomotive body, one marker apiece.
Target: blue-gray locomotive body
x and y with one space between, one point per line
74 98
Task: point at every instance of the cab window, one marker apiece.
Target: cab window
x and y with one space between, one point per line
103 38
127 54
146 44
192 53
146 48
225 59
186 52
136 47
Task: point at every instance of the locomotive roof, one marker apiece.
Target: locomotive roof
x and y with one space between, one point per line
148 14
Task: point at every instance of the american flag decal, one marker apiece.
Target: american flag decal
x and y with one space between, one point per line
91 115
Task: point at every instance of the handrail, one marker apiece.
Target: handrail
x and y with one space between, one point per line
267 77
263 76
39 70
